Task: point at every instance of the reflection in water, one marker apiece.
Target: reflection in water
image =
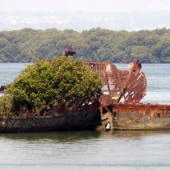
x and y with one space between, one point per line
54 136
133 134
85 150
71 136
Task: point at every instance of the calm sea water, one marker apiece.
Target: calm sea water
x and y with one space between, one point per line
91 150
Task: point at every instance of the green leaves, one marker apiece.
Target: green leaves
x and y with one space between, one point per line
5 105
43 81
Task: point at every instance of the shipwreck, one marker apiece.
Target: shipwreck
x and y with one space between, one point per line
118 107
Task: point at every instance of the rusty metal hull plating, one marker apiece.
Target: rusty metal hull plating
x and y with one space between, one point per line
137 117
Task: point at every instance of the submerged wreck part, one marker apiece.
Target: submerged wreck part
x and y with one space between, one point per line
137 116
125 86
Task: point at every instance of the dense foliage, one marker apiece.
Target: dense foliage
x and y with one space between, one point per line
44 81
95 44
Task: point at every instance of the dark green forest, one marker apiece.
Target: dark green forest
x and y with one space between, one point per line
95 44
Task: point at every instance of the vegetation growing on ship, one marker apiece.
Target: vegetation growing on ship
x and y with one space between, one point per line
94 44
44 81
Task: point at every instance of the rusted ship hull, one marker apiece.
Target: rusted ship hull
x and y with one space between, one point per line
119 116
117 108
78 121
137 117
119 103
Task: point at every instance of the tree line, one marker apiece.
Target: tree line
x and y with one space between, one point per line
27 45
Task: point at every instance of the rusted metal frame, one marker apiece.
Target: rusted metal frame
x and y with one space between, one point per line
134 80
51 104
122 90
135 87
139 91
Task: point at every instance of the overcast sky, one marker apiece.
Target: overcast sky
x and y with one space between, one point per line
84 5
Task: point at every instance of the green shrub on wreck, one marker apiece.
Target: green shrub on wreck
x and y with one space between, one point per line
43 81
5 105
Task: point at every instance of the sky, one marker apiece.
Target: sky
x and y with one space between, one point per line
84 14
84 5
